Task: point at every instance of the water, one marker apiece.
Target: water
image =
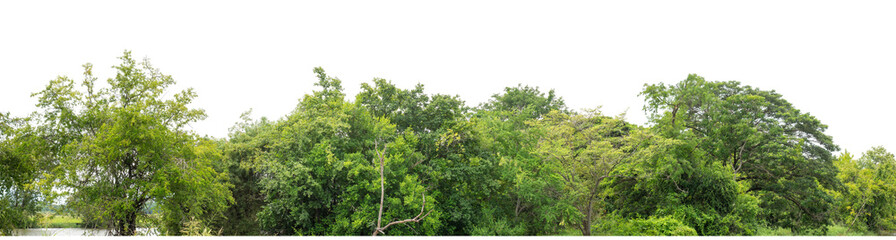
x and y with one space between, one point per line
77 232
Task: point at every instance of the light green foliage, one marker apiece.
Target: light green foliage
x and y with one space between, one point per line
525 101
20 168
867 200
781 153
584 150
652 226
123 146
518 187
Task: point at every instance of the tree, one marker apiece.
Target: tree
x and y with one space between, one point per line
781 153
444 141
585 150
379 219
680 182
21 168
866 201
123 146
526 101
248 140
319 177
519 192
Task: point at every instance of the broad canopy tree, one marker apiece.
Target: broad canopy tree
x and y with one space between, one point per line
124 146
585 150
782 154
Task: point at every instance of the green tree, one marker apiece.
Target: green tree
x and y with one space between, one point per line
585 151
20 173
320 175
123 146
781 153
448 151
526 101
247 142
518 189
682 183
867 199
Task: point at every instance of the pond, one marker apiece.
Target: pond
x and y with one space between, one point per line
77 232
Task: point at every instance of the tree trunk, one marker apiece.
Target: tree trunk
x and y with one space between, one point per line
128 225
586 223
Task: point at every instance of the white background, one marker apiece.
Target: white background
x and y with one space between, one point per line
834 60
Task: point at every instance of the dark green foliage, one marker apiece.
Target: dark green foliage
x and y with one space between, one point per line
782 154
248 140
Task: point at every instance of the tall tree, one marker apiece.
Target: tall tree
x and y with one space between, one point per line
320 175
123 146
781 153
247 143
21 168
585 150
521 193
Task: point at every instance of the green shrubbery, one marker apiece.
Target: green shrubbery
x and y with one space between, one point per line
652 226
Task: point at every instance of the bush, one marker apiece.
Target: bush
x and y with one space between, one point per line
653 226
492 226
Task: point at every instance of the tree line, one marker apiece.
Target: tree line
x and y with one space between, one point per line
717 158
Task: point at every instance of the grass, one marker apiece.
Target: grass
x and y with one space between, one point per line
570 232
48 220
764 231
833 230
838 230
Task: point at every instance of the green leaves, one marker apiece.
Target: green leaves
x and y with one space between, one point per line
318 171
781 153
718 158
122 147
866 201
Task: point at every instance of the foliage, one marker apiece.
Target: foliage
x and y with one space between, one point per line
652 226
515 182
58 221
122 146
717 158
21 173
241 152
319 176
867 200
781 153
584 150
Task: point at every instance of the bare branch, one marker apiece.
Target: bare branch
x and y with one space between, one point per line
379 228
417 218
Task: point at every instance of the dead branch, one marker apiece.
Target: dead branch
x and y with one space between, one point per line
379 218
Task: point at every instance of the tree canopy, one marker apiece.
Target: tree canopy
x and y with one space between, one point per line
124 146
716 158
